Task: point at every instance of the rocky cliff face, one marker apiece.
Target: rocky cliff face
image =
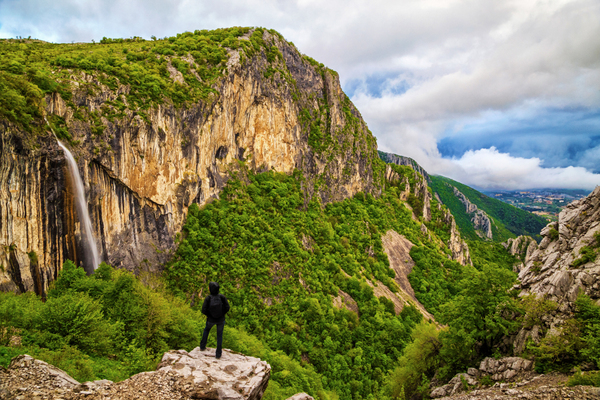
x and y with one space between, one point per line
458 247
418 189
479 218
403 160
522 247
456 244
142 172
512 378
564 264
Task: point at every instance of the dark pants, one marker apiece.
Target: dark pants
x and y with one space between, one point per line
220 327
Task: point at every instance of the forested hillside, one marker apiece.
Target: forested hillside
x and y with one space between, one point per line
283 266
507 221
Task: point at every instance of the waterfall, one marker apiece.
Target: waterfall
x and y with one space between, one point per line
91 256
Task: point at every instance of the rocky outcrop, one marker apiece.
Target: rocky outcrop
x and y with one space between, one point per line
344 300
511 378
506 369
564 264
180 375
522 247
301 396
402 160
419 189
534 390
397 248
456 244
141 173
459 249
479 218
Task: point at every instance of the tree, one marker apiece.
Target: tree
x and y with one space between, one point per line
478 318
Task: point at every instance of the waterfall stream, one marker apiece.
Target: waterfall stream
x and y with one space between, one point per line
91 256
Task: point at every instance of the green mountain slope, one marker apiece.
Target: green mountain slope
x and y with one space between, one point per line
507 221
282 266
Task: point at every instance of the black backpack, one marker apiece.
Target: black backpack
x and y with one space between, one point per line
215 307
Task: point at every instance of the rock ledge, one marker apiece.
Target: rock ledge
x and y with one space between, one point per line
180 375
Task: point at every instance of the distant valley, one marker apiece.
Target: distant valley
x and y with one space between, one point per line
543 202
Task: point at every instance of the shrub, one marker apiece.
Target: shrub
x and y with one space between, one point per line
584 379
79 319
535 308
588 254
418 363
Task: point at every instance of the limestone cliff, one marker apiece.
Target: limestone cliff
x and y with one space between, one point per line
522 247
403 160
143 168
479 218
564 264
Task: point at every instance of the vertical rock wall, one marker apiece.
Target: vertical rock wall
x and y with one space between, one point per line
141 175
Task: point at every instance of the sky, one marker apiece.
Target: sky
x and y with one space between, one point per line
501 94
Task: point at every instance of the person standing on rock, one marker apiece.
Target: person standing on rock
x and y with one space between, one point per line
215 307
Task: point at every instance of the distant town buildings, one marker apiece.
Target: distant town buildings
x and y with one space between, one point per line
545 202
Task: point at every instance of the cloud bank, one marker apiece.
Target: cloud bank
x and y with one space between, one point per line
492 93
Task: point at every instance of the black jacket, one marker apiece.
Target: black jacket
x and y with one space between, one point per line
214 291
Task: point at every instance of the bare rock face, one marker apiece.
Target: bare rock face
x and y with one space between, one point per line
180 375
142 174
233 376
301 396
481 221
397 248
522 247
558 269
456 244
403 160
505 369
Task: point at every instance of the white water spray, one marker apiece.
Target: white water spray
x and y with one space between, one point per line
89 243
82 210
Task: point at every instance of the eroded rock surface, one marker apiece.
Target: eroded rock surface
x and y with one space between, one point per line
558 270
397 248
457 246
479 218
180 375
301 396
514 379
522 247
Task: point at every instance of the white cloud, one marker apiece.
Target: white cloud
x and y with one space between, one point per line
490 169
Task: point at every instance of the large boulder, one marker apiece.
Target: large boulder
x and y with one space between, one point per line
180 375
